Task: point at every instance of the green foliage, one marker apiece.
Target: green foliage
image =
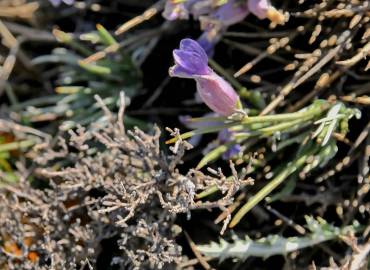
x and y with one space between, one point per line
320 231
315 126
80 78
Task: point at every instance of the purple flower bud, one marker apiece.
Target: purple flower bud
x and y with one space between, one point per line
259 7
56 3
231 152
191 61
225 136
173 11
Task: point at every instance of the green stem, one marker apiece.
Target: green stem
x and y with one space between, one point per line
267 189
267 131
105 36
286 116
281 127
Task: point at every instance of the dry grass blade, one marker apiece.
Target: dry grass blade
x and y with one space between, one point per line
11 42
298 81
362 54
364 100
147 15
359 260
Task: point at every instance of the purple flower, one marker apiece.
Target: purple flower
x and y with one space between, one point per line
231 152
225 136
56 3
191 61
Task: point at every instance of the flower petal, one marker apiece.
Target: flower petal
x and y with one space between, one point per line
231 152
191 62
191 45
217 94
179 71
